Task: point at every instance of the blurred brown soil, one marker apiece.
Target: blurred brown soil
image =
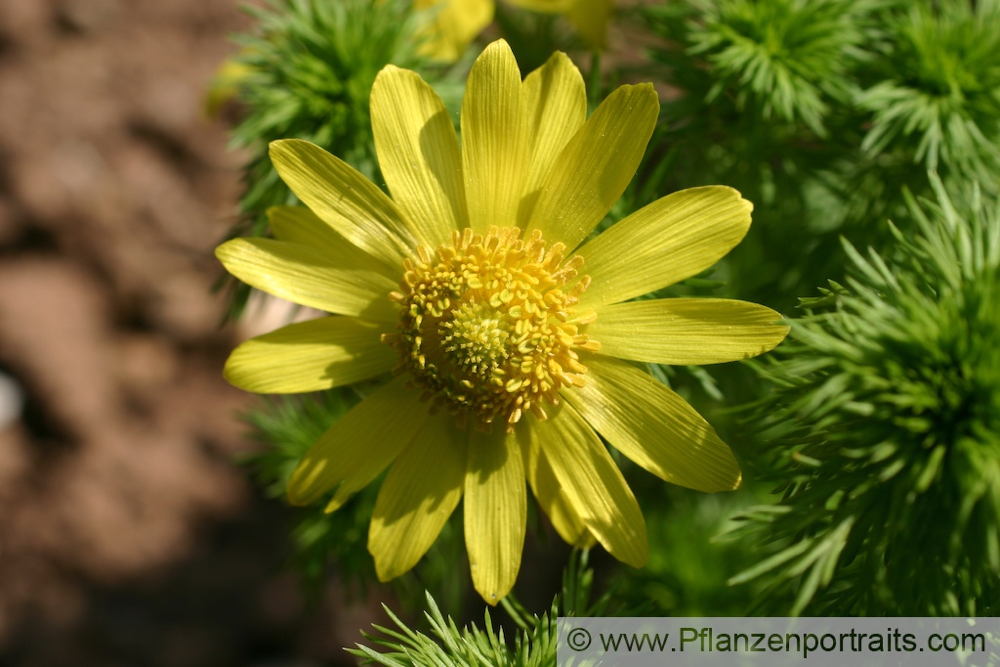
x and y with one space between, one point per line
127 534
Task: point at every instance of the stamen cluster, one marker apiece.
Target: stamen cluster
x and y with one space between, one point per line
487 329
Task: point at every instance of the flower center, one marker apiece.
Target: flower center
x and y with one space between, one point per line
486 328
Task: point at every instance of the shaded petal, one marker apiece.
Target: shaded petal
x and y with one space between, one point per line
556 107
456 23
418 495
360 445
344 199
591 18
594 486
305 276
419 155
597 164
550 495
669 240
297 224
495 513
544 6
686 331
494 150
311 356
653 426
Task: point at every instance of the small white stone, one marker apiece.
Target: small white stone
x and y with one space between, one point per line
11 401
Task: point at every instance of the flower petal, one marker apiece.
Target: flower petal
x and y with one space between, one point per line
551 497
297 224
686 331
653 426
343 199
495 512
306 276
360 445
419 154
597 164
669 240
311 356
556 107
456 23
594 486
418 495
544 6
591 18
494 150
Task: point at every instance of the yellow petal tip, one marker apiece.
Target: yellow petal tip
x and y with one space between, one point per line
277 144
639 563
335 504
229 373
295 499
492 599
382 570
390 70
304 487
228 251
281 147
223 248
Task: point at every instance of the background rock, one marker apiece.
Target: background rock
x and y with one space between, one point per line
128 536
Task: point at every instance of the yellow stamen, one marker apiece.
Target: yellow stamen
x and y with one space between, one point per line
486 329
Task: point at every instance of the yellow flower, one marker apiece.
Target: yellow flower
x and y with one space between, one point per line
589 17
455 23
225 85
509 351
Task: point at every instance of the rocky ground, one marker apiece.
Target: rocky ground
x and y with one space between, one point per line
127 534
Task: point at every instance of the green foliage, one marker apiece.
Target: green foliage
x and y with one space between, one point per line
307 73
286 428
821 112
759 84
688 568
787 58
938 97
449 646
884 427
763 103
